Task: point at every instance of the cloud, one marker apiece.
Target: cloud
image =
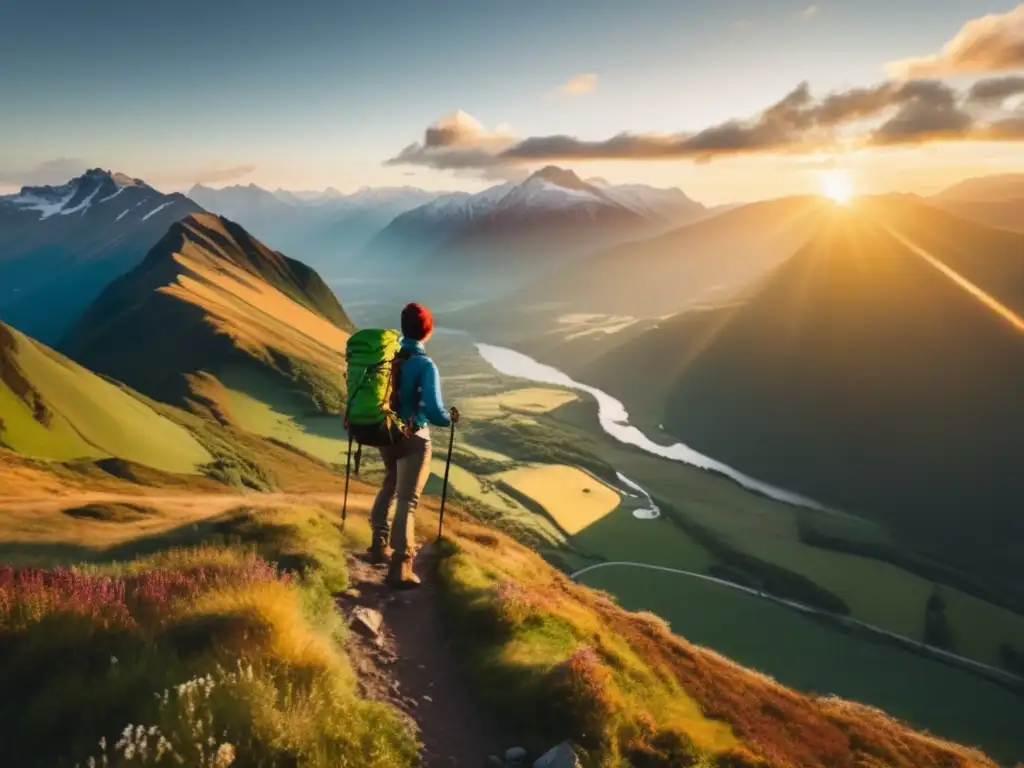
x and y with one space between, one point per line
886 114
921 121
50 172
993 43
578 85
996 90
810 12
456 141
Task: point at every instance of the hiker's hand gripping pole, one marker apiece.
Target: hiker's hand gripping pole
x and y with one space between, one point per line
447 467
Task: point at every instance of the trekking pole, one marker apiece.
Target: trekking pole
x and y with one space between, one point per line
348 469
444 487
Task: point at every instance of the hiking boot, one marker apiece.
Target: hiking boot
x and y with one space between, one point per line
379 551
400 573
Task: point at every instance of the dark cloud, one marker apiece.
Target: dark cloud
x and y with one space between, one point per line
921 121
445 157
993 43
890 113
996 90
50 172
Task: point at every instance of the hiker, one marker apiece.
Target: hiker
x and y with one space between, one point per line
407 462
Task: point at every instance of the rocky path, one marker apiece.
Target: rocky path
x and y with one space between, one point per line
402 652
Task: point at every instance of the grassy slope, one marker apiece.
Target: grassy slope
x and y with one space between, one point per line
554 658
193 643
557 658
209 295
52 408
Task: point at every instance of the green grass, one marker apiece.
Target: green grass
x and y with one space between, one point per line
807 655
90 417
268 405
620 536
207 642
533 648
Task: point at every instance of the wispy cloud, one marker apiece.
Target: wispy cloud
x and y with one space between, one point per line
889 113
49 172
577 85
810 12
993 43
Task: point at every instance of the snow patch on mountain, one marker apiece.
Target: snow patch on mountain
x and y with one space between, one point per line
47 206
120 189
157 210
82 206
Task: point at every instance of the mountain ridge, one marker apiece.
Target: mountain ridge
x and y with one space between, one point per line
209 293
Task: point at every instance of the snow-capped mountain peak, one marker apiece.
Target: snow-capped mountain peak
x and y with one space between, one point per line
96 193
94 187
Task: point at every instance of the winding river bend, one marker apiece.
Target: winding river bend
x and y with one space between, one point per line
614 420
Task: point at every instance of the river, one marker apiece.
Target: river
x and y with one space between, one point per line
614 420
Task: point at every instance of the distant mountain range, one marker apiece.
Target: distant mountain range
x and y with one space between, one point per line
994 200
706 262
322 228
60 246
507 234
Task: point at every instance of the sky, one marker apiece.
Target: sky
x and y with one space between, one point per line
307 94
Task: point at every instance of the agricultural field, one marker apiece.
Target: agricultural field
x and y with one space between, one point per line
571 497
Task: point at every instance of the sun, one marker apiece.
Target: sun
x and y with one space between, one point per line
837 186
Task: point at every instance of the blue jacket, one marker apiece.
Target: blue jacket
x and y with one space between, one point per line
419 389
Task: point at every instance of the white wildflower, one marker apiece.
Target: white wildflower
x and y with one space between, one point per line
225 756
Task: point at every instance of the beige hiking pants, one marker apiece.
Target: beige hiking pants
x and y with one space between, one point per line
406 469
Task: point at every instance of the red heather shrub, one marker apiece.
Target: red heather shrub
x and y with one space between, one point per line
29 594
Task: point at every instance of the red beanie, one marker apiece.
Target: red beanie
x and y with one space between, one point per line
417 322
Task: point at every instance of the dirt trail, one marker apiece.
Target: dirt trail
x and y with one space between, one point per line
411 664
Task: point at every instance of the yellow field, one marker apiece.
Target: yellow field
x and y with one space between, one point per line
572 497
529 400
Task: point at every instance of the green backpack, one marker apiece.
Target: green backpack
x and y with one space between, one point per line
374 360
